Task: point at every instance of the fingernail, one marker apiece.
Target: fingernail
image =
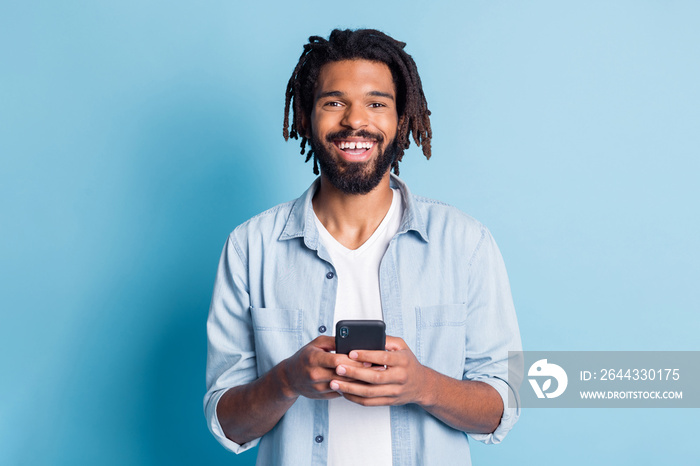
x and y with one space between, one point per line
340 370
353 355
367 364
334 385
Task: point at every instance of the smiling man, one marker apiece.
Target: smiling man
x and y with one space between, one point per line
354 121
358 245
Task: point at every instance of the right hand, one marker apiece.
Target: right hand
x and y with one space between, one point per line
309 371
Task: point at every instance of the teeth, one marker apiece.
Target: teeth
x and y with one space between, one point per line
354 145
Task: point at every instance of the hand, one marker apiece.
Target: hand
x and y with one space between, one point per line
309 371
403 381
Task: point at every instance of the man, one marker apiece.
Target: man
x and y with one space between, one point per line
359 245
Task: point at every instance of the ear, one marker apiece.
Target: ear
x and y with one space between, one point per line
304 131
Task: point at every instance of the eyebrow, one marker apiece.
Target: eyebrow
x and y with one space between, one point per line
371 93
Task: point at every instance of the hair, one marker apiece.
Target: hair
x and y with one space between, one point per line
365 44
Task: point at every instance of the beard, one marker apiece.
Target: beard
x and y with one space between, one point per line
354 177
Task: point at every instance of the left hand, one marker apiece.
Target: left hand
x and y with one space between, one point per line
404 380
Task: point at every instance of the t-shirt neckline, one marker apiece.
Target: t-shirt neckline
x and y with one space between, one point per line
327 237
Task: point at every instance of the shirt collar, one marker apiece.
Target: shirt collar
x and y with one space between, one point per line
301 218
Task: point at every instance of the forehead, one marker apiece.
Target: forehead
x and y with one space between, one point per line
355 76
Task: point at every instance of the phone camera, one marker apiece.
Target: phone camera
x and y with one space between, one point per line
344 332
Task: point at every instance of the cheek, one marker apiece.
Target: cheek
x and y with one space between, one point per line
322 124
390 126
387 120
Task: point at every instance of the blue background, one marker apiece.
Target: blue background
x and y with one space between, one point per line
135 135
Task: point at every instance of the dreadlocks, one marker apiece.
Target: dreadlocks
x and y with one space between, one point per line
366 44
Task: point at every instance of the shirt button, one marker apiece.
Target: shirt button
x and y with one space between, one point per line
319 438
330 275
322 329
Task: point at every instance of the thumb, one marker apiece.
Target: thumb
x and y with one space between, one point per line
395 344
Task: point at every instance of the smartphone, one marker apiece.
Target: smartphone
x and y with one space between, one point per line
359 334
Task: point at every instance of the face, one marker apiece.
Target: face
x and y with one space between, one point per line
353 124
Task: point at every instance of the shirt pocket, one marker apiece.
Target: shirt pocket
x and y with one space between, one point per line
440 338
278 334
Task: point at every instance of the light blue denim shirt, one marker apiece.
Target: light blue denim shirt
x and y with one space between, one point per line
444 290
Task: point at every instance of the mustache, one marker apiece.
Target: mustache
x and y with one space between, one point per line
347 133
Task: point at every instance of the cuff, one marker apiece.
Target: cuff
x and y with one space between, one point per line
511 411
218 432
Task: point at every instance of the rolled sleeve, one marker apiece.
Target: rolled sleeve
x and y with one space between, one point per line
511 411
216 430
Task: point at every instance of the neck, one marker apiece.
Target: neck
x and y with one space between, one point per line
352 218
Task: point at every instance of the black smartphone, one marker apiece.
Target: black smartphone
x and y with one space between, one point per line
359 335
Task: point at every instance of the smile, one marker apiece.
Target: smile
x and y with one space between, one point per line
355 150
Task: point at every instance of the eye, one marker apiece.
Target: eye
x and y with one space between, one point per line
377 105
333 103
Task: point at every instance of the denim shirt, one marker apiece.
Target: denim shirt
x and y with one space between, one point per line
444 290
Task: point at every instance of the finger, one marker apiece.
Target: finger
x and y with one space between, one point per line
324 395
377 401
331 360
395 344
377 375
381 358
324 342
320 377
363 390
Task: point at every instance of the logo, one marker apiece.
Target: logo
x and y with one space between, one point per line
542 368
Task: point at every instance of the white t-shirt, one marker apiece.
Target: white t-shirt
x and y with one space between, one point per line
358 434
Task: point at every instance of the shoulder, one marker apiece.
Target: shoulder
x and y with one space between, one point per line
439 215
454 233
263 227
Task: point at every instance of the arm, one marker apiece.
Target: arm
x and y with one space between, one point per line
249 411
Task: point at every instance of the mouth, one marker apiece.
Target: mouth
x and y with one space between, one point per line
355 150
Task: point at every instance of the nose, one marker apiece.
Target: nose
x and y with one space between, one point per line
355 117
